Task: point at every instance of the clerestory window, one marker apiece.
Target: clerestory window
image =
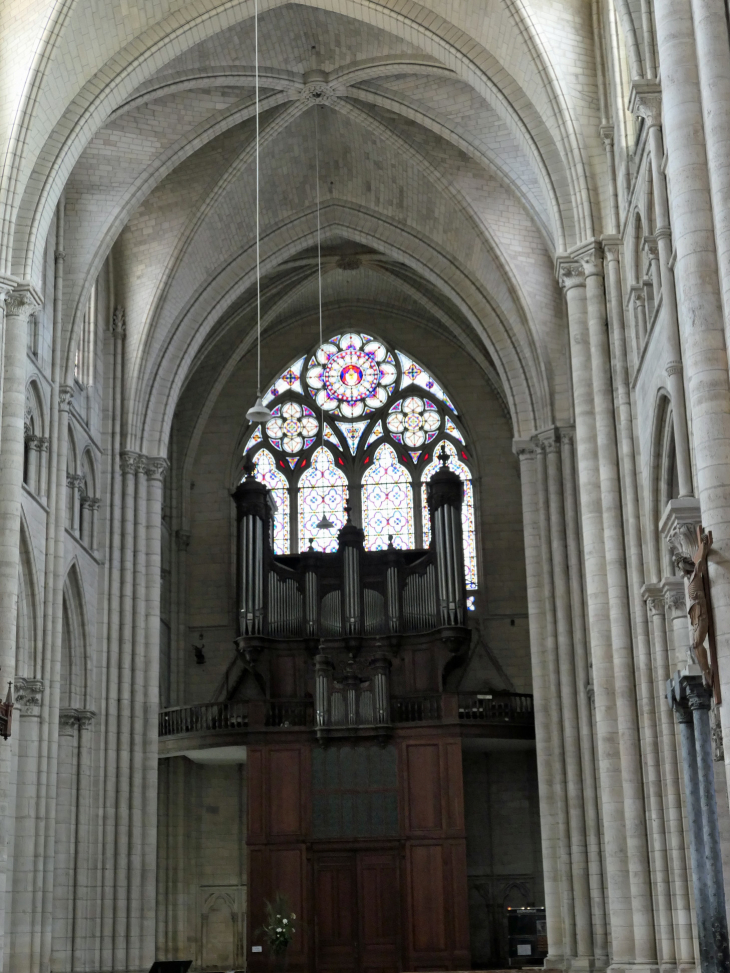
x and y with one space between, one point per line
356 421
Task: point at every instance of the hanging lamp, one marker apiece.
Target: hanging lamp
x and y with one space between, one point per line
325 523
258 412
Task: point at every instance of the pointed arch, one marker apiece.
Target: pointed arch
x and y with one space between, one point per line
267 473
74 676
468 518
387 502
322 493
29 624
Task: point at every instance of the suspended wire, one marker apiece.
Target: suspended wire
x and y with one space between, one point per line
319 246
258 255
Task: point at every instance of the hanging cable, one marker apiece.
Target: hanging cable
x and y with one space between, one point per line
325 523
259 412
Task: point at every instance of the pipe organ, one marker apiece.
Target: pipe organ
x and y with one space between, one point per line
356 810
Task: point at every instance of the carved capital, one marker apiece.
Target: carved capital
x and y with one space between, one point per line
645 100
65 394
69 719
652 247
548 440
119 326
571 273
128 461
28 694
156 467
21 303
41 444
674 368
592 260
606 133
639 299
524 448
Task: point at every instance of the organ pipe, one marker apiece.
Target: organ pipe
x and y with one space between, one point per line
446 492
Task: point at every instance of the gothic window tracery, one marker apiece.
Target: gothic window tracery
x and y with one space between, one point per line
356 419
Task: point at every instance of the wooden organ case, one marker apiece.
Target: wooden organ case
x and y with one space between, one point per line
355 795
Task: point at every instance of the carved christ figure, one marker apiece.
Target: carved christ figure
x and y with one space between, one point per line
698 609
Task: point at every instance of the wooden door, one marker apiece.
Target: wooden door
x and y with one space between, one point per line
379 911
335 913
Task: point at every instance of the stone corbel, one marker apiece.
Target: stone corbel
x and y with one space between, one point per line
645 100
28 695
678 527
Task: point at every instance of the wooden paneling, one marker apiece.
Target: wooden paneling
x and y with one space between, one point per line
453 791
423 787
379 911
285 791
428 929
335 913
459 903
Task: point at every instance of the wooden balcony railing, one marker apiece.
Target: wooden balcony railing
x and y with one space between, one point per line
475 708
496 708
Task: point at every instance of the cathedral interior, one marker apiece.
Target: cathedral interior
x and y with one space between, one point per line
364 485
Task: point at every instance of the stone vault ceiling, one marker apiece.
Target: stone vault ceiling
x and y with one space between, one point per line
452 142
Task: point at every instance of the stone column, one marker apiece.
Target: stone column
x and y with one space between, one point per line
696 271
526 451
699 700
619 606
156 469
567 893
695 833
673 816
569 705
713 65
619 899
18 306
585 716
19 931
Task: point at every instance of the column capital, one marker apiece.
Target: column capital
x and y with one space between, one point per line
590 255
654 598
119 325
548 440
70 718
65 394
6 286
569 272
28 694
156 467
606 133
674 595
23 301
645 100
523 448
128 460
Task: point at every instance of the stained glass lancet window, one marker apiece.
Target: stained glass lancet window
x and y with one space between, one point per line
355 417
467 509
267 473
322 493
387 502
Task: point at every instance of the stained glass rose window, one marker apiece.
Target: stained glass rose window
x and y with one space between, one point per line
351 375
292 427
413 421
